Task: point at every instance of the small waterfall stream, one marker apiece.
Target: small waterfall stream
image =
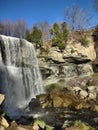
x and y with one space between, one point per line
20 78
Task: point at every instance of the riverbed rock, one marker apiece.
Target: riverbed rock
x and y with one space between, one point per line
4 122
82 105
92 96
57 101
79 125
2 97
1 128
21 128
35 126
83 94
95 108
93 89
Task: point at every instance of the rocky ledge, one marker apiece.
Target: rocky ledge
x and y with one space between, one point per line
74 61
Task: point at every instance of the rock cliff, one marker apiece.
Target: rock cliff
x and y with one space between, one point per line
72 65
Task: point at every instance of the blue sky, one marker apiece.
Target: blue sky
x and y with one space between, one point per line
34 11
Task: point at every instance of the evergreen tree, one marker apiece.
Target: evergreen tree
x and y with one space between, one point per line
28 36
37 36
95 34
59 35
64 31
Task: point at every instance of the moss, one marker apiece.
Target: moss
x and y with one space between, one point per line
72 50
85 41
53 86
82 125
43 125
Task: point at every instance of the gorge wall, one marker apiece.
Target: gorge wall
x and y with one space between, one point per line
73 65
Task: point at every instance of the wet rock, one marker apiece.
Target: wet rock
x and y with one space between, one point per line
1 127
35 126
2 97
73 128
57 101
83 94
79 125
68 100
13 126
92 96
66 124
21 128
34 103
4 122
93 89
95 108
82 105
77 90
40 123
42 98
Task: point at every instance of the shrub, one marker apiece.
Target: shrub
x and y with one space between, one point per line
53 86
59 34
95 34
61 46
85 41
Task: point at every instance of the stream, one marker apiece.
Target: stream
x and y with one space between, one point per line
59 117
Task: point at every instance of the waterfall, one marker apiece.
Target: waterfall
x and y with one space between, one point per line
20 78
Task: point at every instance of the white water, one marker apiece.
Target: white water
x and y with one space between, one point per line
20 78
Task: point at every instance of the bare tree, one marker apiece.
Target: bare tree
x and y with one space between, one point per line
7 28
83 19
20 28
17 29
96 4
76 18
44 27
1 28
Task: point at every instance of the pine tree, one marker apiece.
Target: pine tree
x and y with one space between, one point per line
28 36
37 36
59 35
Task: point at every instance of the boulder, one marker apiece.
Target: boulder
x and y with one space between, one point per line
2 97
57 101
55 56
93 89
1 128
35 126
92 96
4 122
83 94
95 108
21 128
82 105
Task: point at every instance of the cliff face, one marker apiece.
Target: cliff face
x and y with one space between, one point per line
75 62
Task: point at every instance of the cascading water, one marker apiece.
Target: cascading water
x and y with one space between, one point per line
20 78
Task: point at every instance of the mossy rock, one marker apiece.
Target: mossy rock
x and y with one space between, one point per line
82 125
57 101
53 86
40 123
43 125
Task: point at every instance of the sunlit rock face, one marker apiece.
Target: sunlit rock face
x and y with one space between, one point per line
20 78
75 61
